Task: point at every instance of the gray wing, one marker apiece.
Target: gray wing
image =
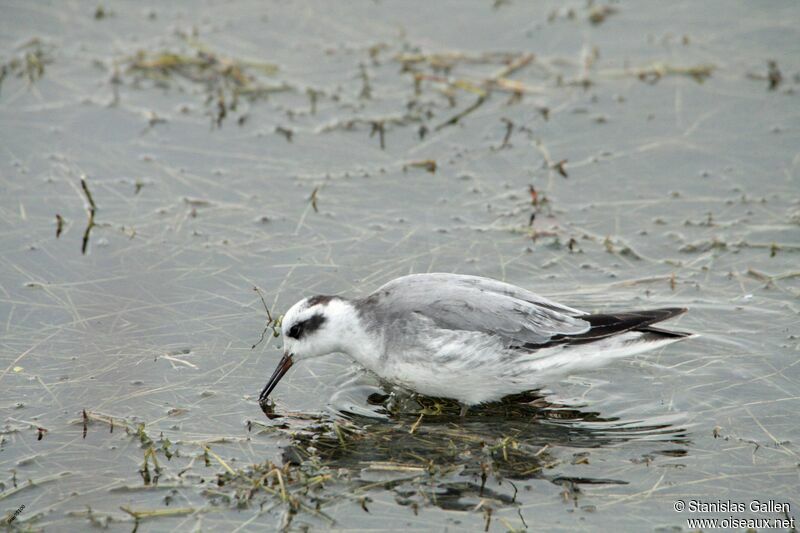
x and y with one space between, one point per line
473 303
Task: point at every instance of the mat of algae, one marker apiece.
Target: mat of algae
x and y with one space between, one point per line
159 161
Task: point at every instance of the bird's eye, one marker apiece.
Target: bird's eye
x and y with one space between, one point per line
304 327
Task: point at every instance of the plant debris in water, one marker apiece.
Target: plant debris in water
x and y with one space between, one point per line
428 455
29 63
272 323
225 79
439 113
424 452
91 209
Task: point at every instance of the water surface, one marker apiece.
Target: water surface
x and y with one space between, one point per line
665 163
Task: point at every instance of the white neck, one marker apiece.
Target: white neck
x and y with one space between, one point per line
352 338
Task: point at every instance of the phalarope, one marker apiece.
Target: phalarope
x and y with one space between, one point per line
468 338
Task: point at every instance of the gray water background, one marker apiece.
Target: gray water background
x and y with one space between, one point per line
679 193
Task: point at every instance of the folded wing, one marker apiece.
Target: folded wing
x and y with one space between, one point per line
473 303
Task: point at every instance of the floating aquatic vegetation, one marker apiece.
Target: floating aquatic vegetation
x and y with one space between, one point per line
423 451
598 14
428 164
224 79
444 63
428 455
656 71
203 66
91 210
272 323
378 125
111 331
773 77
30 61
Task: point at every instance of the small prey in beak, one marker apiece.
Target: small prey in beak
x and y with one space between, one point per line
283 366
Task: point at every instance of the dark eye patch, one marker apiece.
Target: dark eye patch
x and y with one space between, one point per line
306 326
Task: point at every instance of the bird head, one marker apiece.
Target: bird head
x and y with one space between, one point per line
309 329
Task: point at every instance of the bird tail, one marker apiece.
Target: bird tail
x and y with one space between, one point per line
607 325
611 336
665 333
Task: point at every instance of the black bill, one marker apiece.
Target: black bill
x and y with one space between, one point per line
284 365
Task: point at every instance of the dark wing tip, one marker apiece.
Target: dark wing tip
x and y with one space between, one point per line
632 319
660 332
608 324
661 315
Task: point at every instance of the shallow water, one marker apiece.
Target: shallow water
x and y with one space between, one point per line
681 190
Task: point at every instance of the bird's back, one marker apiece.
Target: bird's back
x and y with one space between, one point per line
476 339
